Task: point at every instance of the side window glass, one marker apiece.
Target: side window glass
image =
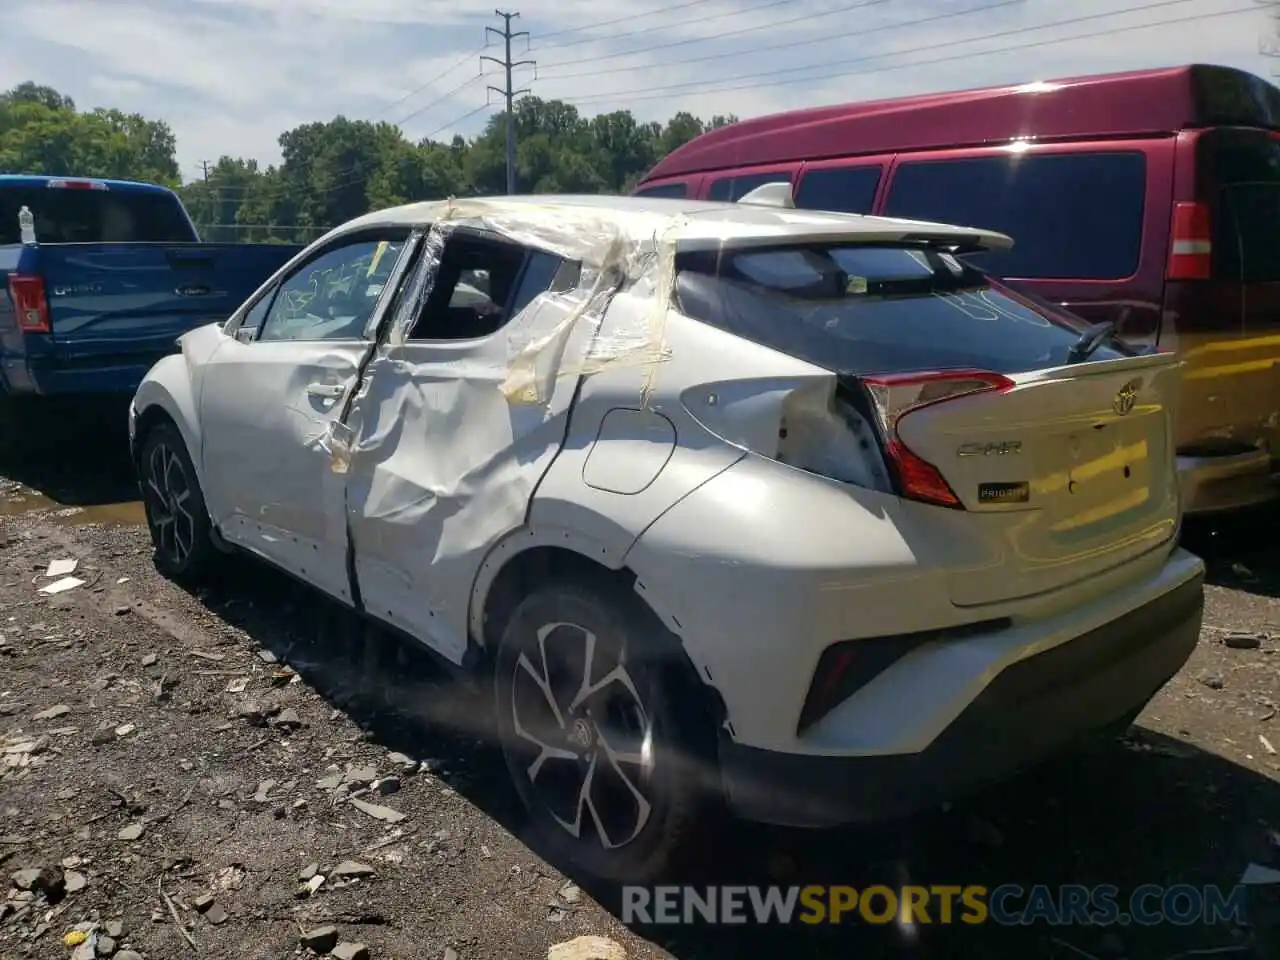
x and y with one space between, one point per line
539 274
481 283
843 189
675 191
1072 215
733 189
333 296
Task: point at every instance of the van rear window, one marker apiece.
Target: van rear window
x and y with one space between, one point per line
94 216
865 309
1240 174
1071 215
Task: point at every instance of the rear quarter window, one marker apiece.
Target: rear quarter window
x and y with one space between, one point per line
733 189
843 189
1071 215
674 191
94 216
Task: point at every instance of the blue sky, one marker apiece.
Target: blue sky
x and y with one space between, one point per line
230 75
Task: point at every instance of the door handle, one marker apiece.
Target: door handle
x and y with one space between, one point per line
330 391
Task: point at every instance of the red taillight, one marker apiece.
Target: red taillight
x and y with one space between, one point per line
29 302
896 395
1191 243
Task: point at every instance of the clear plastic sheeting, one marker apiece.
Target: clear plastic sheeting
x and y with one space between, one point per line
446 441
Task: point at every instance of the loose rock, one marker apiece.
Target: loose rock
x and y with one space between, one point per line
216 914
1242 641
321 939
385 814
44 880
350 951
309 871
288 720
75 882
106 946
132 832
61 710
588 948
350 869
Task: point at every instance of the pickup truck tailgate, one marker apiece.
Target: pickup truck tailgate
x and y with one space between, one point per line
137 297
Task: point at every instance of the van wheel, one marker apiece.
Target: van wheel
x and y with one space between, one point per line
174 504
599 725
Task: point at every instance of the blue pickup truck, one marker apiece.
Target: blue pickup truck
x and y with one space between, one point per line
115 275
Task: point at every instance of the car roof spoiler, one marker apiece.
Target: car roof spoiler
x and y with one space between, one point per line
776 194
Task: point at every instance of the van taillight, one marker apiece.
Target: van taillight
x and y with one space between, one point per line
29 302
1191 249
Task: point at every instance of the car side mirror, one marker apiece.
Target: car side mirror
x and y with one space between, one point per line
246 334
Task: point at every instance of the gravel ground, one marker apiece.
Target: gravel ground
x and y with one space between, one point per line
181 763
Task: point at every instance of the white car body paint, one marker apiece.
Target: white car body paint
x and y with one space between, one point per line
612 425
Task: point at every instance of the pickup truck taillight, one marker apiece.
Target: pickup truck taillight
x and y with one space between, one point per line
29 302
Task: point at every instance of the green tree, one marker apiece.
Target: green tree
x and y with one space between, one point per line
334 170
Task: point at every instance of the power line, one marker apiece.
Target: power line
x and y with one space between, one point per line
457 120
430 83
665 92
809 41
720 36
625 19
658 27
507 92
440 99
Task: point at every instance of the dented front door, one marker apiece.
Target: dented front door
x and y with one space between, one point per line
269 399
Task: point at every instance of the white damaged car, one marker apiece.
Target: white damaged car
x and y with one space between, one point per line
730 504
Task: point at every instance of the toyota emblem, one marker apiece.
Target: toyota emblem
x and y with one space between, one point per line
1126 398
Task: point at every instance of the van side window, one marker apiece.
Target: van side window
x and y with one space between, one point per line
733 189
844 189
676 191
1071 215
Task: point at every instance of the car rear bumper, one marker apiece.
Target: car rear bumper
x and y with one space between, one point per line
1034 708
1219 484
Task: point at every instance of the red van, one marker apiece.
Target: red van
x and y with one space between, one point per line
1149 199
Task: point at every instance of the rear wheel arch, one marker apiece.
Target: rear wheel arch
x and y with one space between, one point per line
531 557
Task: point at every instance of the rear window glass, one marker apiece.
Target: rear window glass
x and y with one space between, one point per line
876 309
94 216
674 190
1243 173
1076 215
843 189
733 189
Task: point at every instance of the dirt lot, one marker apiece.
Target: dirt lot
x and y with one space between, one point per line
170 755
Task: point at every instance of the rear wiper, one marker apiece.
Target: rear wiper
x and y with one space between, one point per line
1090 341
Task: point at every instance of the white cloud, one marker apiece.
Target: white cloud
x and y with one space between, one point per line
231 75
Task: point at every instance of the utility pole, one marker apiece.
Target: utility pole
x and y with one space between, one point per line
509 65
204 166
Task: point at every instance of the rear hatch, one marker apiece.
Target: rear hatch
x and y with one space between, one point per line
1035 443
1222 298
1064 472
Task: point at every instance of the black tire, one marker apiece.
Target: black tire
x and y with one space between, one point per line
174 503
676 778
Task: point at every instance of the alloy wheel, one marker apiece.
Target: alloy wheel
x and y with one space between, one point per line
168 491
584 736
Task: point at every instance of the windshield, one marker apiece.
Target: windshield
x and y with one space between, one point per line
876 309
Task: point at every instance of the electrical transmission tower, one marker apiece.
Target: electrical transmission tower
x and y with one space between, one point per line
508 65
